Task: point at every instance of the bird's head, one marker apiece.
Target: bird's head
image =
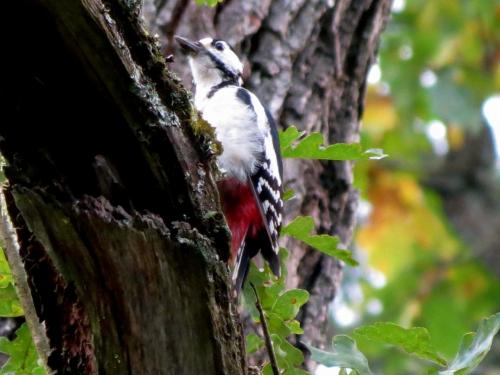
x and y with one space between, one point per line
212 61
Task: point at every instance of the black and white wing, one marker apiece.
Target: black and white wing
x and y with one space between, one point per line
267 184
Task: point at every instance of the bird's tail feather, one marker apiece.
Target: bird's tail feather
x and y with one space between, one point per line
248 249
274 261
242 265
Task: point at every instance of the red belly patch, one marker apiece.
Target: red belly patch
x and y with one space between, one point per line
241 211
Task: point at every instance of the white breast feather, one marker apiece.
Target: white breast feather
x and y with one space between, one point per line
240 131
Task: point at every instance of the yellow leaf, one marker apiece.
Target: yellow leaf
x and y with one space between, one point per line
402 225
379 115
446 53
455 137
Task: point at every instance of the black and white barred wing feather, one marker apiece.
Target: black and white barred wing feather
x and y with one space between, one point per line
268 190
268 183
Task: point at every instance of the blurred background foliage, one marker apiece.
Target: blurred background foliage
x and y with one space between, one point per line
429 233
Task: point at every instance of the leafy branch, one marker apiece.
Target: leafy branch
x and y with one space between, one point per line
23 358
416 341
296 144
345 353
267 336
300 229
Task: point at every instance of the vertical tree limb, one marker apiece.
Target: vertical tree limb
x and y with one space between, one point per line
112 199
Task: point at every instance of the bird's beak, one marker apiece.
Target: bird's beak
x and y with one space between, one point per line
188 47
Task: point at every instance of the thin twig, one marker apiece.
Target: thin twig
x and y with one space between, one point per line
267 336
11 247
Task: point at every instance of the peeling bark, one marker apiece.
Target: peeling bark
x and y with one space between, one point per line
112 199
307 60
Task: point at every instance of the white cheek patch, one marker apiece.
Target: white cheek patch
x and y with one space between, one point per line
203 71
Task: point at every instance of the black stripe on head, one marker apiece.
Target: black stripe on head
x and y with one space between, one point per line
228 74
244 96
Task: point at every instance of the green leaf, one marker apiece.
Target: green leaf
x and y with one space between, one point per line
288 304
344 354
294 327
474 347
414 340
289 371
267 287
210 3
288 194
312 147
5 273
277 325
253 343
288 136
287 355
23 356
267 370
300 229
295 371
10 306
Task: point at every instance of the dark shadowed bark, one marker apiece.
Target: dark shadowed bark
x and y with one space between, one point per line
307 60
111 193
111 197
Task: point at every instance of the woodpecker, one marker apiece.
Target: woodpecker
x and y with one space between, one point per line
251 189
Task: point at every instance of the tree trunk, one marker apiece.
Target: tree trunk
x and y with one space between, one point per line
468 185
307 60
114 207
112 199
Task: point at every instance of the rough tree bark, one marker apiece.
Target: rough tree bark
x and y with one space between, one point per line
111 197
307 60
116 213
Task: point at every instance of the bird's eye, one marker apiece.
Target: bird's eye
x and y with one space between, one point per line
219 46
